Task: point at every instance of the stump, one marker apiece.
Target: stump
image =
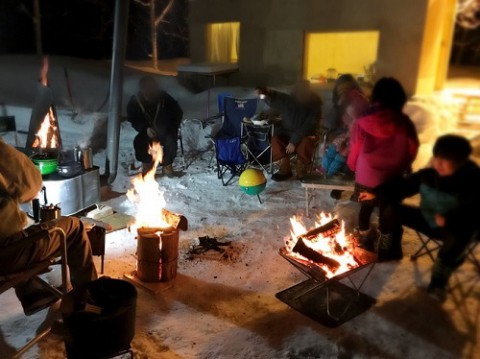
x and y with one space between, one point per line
157 254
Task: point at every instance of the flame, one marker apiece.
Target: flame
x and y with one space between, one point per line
47 137
147 196
338 247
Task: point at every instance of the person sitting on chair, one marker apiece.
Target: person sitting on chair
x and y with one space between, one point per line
156 116
449 197
350 103
20 182
297 133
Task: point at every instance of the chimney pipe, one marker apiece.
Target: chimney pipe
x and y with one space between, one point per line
116 88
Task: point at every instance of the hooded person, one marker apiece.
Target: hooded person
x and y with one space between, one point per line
156 116
383 146
20 182
300 114
350 103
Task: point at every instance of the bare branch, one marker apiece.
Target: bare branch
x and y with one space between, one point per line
172 34
164 13
140 2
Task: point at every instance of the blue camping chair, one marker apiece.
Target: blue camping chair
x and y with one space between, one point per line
228 141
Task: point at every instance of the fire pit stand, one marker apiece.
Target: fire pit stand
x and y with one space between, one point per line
327 301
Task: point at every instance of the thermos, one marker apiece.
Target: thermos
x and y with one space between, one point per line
87 158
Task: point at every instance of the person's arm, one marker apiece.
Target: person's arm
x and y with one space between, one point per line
356 143
398 189
311 121
19 178
136 116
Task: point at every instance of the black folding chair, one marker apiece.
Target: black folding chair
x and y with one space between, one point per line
10 280
257 140
429 246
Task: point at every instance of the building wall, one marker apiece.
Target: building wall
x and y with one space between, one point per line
272 34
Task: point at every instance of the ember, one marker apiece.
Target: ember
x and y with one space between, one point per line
326 245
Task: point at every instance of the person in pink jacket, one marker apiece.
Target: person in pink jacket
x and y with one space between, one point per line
383 146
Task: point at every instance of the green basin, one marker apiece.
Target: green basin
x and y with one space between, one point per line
46 166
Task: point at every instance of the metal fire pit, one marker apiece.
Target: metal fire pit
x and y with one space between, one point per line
157 254
327 300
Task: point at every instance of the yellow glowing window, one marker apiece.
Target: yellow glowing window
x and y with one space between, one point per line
223 40
329 54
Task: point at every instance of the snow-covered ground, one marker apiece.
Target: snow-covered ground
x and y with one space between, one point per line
227 308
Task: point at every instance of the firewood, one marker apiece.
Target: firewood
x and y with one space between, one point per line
316 257
327 230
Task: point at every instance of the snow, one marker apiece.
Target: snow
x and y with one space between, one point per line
227 308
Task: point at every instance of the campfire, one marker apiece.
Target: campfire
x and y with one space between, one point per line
156 227
47 136
326 247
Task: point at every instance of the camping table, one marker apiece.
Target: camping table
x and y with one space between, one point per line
211 70
313 182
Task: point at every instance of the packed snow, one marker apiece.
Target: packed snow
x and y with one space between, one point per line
227 308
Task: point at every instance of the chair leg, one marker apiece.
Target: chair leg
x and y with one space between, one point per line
424 249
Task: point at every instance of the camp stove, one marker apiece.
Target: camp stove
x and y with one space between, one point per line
336 269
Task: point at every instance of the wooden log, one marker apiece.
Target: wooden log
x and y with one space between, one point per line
316 257
157 254
329 229
176 221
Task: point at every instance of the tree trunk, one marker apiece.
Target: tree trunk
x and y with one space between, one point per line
153 30
37 21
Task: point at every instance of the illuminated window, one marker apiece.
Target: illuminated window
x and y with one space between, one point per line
328 55
223 40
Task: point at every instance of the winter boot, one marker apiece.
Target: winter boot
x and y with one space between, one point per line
168 170
441 273
389 248
301 170
366 239
285 170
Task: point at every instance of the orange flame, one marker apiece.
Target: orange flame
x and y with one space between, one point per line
338 247
147 196
47 135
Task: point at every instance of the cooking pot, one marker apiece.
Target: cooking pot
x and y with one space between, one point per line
47 165
69 169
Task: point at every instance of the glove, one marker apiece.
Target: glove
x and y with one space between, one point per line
151 133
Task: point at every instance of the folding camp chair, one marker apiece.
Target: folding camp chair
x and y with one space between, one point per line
228 141
257 140
431 245
230 158
10 280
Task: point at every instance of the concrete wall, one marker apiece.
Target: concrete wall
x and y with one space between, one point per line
272 34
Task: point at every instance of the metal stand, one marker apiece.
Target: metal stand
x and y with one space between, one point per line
328 302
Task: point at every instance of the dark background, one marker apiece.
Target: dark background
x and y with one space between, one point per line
84 28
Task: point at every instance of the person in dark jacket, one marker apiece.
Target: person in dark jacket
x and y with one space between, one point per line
300 116
449 198
156 116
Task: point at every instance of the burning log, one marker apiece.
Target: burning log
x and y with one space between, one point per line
157 249
302 249
329 229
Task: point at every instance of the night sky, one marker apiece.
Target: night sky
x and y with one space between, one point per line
84 28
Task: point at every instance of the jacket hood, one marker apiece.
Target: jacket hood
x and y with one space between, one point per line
381 123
